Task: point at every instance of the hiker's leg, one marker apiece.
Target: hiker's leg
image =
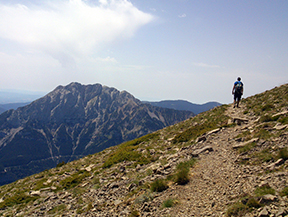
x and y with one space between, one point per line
238 100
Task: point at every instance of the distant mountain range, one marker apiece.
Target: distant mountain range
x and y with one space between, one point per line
185 105
73 121
17 96
5 107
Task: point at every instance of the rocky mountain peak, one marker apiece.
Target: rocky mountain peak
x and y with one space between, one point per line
73 121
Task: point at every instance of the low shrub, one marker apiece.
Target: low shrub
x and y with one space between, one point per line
247 147
182 176
283 153
134 213
263 156
268 107
284 192
283 120
89 207
263 190
60 164
182 173
168 203
237 210
263 134
159 185
266 118
253 203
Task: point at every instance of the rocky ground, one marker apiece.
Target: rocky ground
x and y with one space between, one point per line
217 180
225 175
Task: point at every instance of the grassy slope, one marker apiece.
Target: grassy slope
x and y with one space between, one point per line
94 168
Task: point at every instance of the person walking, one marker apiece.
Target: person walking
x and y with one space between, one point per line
237 91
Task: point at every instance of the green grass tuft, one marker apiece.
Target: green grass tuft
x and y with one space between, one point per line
74 180
127 152
247 147
182 174
284 192
237 210
18 198
60 164
159 185
253 203
168 203
266 189
210 120
283 153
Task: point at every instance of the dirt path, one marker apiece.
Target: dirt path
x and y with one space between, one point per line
215 179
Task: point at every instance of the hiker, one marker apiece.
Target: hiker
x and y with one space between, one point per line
237 91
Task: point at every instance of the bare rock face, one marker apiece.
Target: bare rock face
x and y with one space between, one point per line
73 121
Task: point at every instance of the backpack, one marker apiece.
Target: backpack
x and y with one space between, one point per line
239 87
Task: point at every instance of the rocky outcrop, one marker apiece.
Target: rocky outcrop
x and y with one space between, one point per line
71 122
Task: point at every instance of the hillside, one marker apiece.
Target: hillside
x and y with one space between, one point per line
71 122
223 162
185 105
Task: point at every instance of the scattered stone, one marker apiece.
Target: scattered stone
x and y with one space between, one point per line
45 189
277 163
35 193
200 139
279 126
122 169
268 198
89 168
239 120
281 212
117 202
280 114
213 131
245 143
199 151
131 186
264 212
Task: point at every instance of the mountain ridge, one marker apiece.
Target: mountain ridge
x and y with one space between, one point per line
185 105
73 121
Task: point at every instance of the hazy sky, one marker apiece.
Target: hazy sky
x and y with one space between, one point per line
154 49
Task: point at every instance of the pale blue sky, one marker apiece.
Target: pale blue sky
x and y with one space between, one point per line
154 49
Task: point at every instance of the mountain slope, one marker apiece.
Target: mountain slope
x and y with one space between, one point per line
224 162
185 105
73 121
